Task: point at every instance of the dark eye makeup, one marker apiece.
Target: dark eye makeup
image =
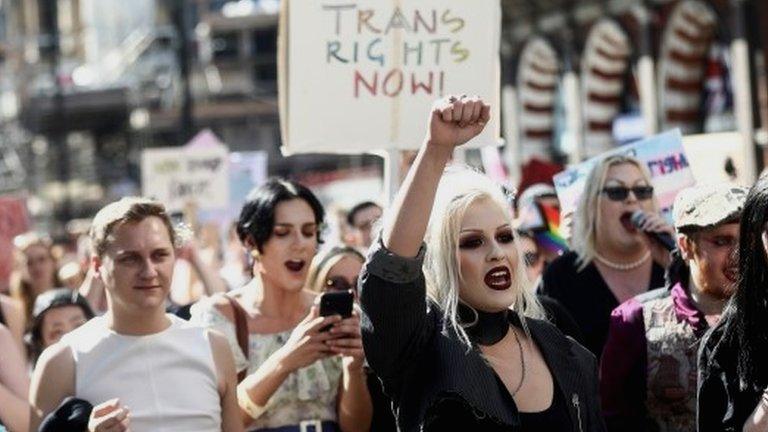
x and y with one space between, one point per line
471 242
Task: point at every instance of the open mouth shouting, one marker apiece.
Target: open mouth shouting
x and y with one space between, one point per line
498 278
295 266
626 222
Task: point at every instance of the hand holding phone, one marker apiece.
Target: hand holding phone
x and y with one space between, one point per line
336 303
307 342
347 338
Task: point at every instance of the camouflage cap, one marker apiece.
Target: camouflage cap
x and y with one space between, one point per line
706 206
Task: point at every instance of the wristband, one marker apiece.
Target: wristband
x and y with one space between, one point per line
246 403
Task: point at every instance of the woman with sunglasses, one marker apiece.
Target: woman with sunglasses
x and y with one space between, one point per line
293 376
611 260
337 269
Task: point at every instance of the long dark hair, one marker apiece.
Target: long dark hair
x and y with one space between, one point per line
745 320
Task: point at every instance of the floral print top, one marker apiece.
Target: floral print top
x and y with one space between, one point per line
307 394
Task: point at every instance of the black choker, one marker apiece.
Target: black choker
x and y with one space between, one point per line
483 328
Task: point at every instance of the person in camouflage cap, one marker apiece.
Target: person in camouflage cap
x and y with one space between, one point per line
648 367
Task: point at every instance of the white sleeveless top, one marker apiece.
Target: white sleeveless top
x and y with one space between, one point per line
168 380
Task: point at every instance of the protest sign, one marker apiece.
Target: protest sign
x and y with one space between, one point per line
662 154
361 75
717 157
177 176
14 220
247 170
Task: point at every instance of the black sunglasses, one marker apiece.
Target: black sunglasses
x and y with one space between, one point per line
620 193
338 283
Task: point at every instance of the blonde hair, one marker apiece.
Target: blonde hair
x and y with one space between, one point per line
324 261
587 215
459 188
125 210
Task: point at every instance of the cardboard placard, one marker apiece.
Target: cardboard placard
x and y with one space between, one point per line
662 154
717 157
247 170
361 75
177 176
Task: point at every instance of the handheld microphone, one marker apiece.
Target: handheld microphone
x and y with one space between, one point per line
664 239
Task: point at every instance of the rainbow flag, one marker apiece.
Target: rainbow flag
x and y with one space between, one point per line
548 236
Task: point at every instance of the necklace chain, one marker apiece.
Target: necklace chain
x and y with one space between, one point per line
623 266
522 364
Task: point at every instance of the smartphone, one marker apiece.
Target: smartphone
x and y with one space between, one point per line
336 303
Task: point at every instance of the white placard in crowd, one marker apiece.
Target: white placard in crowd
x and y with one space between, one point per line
361 75
717 157
177 176
662 154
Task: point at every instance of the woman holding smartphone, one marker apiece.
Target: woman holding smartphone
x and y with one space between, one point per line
470 355
292 374
336 270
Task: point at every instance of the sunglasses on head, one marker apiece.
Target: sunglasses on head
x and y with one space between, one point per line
620 193
338 283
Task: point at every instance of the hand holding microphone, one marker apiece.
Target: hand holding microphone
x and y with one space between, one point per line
655 228
660 235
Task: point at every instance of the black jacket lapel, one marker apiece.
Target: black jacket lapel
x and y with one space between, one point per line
561 362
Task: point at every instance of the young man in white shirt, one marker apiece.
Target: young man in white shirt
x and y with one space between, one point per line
140 367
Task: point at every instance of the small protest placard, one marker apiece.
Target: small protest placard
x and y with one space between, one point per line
662 154
246 171
361 75
177 176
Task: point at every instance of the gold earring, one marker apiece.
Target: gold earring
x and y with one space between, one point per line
255 254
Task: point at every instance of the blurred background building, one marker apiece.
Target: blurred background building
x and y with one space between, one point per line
85 85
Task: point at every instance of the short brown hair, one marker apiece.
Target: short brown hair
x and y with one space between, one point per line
128 209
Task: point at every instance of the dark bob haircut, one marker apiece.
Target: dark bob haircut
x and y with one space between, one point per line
257 217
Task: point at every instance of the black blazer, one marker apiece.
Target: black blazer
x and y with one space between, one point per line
420 364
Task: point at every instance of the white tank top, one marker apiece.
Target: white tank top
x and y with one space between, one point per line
168 380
